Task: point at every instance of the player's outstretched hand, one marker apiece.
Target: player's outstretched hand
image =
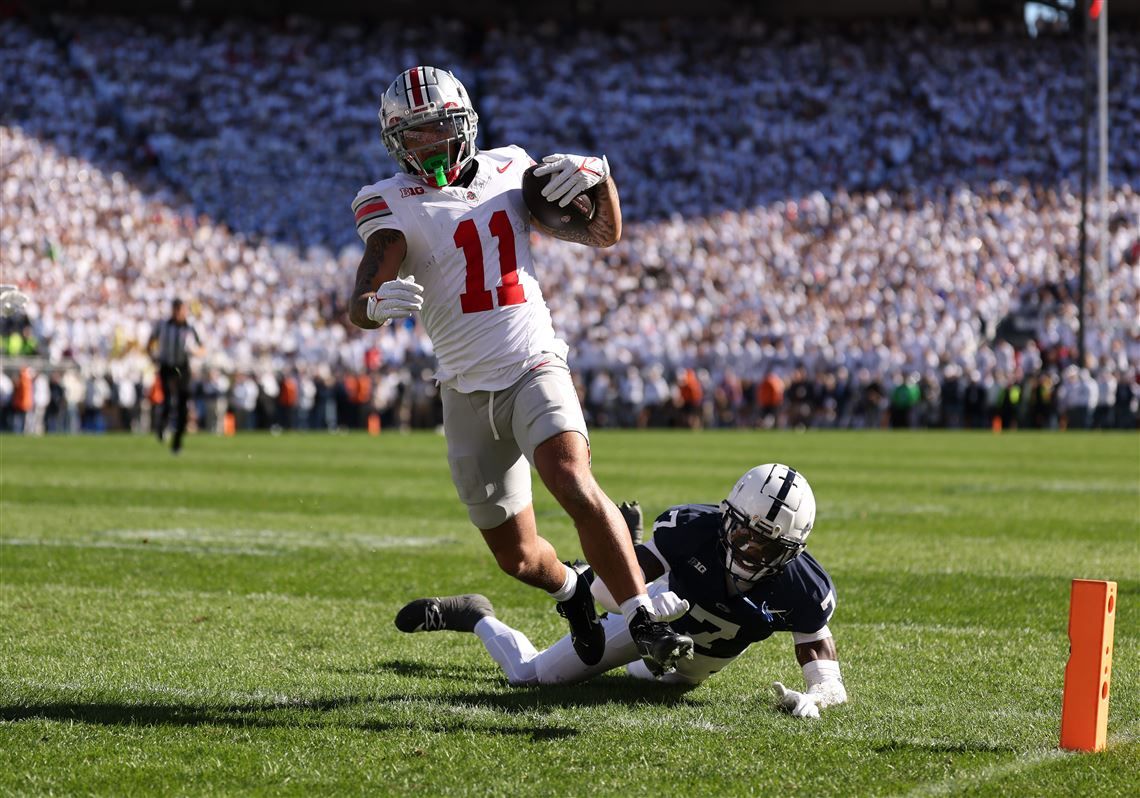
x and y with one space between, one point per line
571 175
396 299
668 606
800 705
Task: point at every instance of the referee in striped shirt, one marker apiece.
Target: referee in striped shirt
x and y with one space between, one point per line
170 347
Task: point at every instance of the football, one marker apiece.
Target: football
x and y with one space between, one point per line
574 217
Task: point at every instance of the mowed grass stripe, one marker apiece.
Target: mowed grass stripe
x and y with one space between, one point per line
132 672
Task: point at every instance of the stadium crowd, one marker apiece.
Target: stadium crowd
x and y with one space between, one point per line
842 249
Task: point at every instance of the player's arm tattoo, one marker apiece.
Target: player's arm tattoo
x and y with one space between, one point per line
383 255
605 228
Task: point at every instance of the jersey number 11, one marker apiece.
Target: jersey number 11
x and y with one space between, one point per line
477 298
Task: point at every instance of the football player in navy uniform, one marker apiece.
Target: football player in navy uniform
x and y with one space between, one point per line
727 576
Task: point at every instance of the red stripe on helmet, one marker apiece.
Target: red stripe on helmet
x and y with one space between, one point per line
417 92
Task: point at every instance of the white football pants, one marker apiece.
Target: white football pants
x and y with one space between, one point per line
559 664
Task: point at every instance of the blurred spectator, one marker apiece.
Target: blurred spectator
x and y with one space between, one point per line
891 218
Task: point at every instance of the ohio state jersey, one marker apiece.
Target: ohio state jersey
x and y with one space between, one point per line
469 247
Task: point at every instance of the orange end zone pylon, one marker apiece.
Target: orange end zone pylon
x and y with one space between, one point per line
1084 711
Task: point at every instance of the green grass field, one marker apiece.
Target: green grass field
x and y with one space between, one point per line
221 623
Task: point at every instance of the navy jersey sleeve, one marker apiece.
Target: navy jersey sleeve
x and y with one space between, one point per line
681 530
815 594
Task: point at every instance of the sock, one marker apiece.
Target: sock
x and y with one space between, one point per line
567 590
630 605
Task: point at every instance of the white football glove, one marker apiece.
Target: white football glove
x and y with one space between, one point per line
396 299
12 300
800 705
571 175
668 606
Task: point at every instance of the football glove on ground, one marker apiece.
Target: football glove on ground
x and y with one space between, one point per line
800 705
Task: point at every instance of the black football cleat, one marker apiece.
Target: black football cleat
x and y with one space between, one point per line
631 512
586 632
659 646
450 613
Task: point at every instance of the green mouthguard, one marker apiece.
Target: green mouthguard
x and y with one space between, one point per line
437 165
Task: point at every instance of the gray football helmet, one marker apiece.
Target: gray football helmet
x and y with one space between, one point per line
425 98
765 522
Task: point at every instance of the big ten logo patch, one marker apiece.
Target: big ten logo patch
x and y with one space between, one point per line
411 191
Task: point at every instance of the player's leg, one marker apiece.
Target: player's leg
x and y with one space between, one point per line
563 463
521 552
493 479
550 429
510 648
182 410
525 555
560 664
166 376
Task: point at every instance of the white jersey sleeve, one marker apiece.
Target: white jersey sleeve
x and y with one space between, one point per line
372 210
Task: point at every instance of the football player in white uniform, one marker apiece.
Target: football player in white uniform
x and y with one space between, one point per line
728 576
449 237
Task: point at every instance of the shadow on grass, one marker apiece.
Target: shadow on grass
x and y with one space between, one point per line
974 747
103 713
423 670
257 716
598 692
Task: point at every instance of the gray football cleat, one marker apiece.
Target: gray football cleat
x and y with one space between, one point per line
631 512
449 613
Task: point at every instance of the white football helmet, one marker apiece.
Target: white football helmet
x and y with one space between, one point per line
425 97
765 522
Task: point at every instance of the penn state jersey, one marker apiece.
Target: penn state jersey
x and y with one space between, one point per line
722 622
469 247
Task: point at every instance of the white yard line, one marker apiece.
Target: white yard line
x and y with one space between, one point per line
976 778
137 692
253 542
184 595
1029 761
111 544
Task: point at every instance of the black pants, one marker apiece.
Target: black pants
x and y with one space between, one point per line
176 394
